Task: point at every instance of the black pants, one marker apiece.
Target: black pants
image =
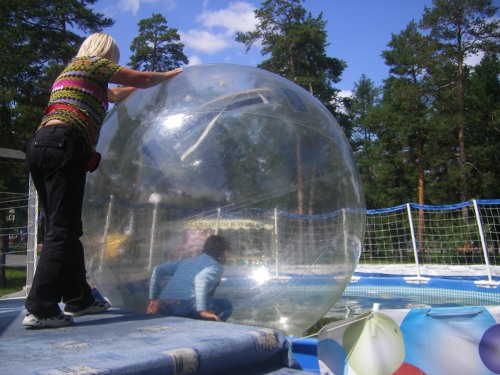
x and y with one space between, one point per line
56 158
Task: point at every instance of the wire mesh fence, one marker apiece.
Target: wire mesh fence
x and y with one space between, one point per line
461 234
465 234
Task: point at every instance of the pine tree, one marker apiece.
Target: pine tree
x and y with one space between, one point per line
482 101
364 101
295 43
459 29
157 47
407 92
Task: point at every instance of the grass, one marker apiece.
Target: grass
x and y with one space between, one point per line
16 280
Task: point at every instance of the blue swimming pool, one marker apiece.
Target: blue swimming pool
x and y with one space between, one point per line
394 292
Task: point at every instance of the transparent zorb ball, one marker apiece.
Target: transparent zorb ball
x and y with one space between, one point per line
235 151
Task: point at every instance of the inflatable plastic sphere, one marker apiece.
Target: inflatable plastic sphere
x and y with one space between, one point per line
236 151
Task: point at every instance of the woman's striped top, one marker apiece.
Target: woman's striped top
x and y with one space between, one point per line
80 95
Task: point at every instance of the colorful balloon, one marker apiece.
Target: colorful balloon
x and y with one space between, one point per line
374 346
489 348
408 369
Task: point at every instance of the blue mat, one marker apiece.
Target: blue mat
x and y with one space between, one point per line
123 342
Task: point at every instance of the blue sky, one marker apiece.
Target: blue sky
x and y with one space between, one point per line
358 30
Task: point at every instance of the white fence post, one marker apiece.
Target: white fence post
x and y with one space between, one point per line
490 282
418 279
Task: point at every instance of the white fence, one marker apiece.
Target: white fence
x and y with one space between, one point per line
464 237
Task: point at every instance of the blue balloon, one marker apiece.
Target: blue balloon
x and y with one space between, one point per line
489 348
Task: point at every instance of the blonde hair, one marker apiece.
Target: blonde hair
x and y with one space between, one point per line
102 45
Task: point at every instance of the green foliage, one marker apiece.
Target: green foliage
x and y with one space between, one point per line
36 39
363 134
430 132
433 135
15 281
157 47
459 29
463 27
483 127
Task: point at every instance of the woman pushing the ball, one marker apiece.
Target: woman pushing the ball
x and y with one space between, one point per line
60 153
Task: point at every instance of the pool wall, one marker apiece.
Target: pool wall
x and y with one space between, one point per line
431 290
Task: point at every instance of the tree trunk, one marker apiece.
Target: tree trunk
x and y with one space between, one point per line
461 120
420 197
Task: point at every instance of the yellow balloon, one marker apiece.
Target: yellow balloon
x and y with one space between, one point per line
374 345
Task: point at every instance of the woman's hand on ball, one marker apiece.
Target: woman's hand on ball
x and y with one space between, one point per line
174 72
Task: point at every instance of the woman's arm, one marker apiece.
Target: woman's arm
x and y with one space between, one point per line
135 78
117 94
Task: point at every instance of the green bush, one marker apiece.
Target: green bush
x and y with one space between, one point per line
16 280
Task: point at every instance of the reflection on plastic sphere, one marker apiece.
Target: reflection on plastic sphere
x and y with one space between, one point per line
236 151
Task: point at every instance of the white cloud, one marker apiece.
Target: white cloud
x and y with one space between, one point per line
219 27
194 60
204 41
238 16
133 6
345 93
